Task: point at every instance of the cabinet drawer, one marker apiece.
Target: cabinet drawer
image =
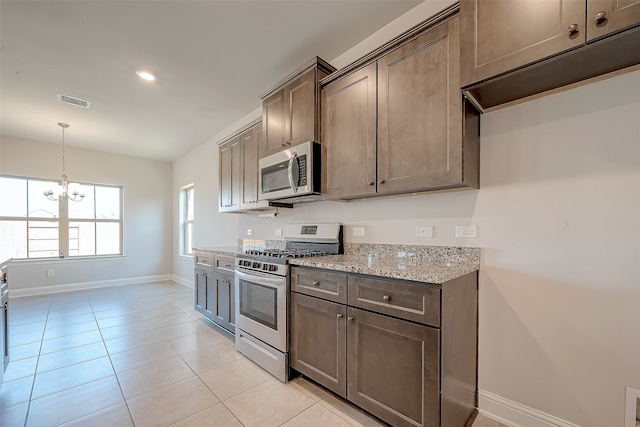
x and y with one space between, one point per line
225 263
396 298
320 283
203 258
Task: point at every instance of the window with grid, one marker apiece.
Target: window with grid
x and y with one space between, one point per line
187 194
32 226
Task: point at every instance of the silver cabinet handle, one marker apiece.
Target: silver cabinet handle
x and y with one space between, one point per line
601 17
573 30
316 283
386 298
350 319
372 183
339 316
381 181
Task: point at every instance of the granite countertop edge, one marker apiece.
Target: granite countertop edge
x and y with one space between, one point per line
221 250
435 272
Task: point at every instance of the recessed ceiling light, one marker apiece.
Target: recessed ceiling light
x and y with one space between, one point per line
147 75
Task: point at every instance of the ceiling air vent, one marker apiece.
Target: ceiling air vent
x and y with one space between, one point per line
74 101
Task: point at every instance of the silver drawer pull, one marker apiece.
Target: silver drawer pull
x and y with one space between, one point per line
316 283
350 319
386 298
339 316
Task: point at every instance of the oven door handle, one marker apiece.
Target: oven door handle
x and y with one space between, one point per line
294 185
261 279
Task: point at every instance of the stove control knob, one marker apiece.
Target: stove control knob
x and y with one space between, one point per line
265 267
273 268
256 265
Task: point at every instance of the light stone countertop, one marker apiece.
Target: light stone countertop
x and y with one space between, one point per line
415 269
220 250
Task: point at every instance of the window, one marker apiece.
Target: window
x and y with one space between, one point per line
32 226
187 194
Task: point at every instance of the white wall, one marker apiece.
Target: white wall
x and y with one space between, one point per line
147 214
557 220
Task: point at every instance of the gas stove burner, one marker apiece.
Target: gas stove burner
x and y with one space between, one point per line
285 253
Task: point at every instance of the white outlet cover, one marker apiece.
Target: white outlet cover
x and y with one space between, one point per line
468 231
278 231
249 232
358 231
422 232
51 273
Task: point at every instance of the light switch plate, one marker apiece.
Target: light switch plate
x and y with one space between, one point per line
424 231
249 232
51 273
358 231
468 231
278 231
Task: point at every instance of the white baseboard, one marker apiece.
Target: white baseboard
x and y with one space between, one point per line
182 281
87 285
515 414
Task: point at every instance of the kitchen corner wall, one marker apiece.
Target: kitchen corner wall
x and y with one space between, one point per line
147 216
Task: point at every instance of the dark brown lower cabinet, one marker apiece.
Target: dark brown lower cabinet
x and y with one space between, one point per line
223 300
319 341
405 372
393 368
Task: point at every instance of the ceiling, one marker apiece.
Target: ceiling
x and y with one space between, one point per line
212 59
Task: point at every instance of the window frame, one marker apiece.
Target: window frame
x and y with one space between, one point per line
64 221
185 222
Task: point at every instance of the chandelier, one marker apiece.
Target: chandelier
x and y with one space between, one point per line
75 196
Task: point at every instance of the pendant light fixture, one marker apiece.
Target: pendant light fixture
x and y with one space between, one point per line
76 196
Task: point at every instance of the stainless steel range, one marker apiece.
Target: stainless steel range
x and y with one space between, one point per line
262 293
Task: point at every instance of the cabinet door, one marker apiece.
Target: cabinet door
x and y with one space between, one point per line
223 307
318 341
420 113
273 124
300 112
229 166
349 135
499 36
393 369
250 139
608 16
210 296
200 278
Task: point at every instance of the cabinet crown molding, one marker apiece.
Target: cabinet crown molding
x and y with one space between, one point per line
315 62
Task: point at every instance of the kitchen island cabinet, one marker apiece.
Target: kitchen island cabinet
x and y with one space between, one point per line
395 122
403 351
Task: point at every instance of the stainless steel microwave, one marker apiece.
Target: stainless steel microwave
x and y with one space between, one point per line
291 175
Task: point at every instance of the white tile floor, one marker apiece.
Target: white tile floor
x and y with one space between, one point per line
139 355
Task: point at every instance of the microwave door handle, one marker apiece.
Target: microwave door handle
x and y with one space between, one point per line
294 185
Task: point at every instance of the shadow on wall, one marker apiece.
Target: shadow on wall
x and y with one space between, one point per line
564 344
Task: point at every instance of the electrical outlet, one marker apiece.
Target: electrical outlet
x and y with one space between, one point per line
249 232
424 231
51 273
278 231
358 231
469 231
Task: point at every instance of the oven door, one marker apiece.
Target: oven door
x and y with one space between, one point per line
261 307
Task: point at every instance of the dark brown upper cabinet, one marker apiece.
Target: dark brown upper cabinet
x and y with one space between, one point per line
238 168
395 122
608 16
515 49
499 36
250 140
229 175
290 108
